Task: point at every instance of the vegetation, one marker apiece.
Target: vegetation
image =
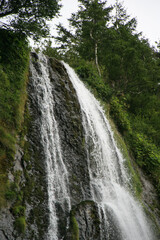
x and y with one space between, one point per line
20 224
122 69
28 17
14 60
74 229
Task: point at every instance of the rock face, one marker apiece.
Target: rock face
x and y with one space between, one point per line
6 225
67 113
85 222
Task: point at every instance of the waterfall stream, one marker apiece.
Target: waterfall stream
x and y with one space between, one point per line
108 175
55 167
109 183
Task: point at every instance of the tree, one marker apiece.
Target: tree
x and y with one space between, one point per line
121 18
89 25
28 16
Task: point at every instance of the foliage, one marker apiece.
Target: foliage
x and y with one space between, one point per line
89 25
146 153
118 111
50 51
28 17
14 66
14 59
89 74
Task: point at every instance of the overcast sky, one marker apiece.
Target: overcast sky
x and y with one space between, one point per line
147 13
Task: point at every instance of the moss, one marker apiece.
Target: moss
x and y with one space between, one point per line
10 195
74 229
11 192
7 140
90 210
19 210
33 191
3 180
20 224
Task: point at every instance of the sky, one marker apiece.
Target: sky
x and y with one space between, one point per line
147 13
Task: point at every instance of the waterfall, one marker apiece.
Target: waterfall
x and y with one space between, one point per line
57 175
109 179
121 215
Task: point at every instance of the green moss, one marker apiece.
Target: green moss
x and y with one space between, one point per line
10 195
92 213
11 192
74 229
7 140
3 180
20 224
19 210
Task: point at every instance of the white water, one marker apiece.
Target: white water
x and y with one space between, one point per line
57 175
109 177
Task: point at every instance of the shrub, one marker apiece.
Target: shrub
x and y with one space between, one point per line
88 73
120 115
146 153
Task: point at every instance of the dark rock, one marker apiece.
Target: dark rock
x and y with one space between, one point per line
68 115
6 225
87 222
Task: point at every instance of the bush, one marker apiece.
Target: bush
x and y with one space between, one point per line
146 153
88 73
120 115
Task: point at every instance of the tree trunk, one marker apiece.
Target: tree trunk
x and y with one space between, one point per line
96 53
96 59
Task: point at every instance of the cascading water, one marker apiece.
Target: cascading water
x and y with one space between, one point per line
109 180
57 175
121 216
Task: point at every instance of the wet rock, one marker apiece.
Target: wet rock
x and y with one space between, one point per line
87 222
68 115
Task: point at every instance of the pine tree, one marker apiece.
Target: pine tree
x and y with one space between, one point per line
89 24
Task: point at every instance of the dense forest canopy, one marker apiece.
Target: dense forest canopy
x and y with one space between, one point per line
29 16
